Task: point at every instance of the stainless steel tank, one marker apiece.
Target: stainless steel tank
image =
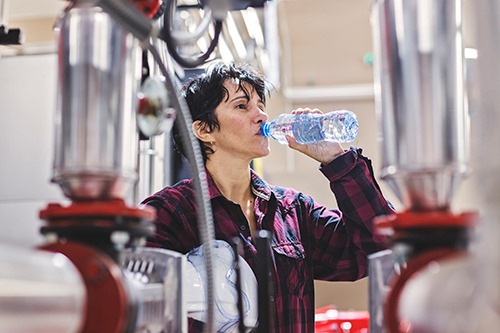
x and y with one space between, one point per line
98 77
420 91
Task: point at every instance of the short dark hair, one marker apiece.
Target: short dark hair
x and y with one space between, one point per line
203 93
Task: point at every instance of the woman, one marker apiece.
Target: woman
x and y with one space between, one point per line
309 241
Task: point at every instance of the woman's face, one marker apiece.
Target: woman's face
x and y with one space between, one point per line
240 118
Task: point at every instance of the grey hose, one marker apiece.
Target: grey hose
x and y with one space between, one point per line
205 217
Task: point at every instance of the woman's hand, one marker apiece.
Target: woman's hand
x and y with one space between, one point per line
323 152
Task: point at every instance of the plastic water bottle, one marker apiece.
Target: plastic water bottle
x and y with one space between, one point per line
338 126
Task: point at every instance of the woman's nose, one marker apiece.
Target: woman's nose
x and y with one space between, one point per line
263 117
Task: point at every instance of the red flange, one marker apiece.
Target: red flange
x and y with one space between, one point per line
107 308
430 219
103 215
102 208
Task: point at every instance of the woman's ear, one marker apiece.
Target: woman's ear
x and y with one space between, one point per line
201 131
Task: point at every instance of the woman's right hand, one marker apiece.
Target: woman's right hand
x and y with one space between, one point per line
323 152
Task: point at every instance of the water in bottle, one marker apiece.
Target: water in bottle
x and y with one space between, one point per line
338 126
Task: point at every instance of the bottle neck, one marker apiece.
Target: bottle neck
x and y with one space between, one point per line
265 130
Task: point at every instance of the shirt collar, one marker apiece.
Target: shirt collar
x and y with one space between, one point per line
213 190
259 187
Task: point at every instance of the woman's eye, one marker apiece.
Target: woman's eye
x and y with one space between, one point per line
241 106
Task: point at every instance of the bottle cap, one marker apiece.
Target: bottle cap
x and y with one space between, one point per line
265 129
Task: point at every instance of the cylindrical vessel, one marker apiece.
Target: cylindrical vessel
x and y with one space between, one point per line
98 77
419 91
337 126
39 292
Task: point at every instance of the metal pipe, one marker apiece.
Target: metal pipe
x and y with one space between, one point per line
98 78
265 285
420 91
39 292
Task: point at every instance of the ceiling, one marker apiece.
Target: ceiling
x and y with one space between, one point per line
321 42
250 49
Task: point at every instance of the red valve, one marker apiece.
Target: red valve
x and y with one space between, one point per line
410 228
148 7
107 308
394 323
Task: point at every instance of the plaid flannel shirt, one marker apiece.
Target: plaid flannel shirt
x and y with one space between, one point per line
309 241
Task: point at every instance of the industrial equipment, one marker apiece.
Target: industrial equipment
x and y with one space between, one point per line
93 269
94 274
426 284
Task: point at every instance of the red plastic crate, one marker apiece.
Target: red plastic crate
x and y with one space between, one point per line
330 320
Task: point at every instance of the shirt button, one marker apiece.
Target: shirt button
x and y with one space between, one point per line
242 227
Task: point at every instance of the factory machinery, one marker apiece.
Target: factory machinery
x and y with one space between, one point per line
94 274
442 272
